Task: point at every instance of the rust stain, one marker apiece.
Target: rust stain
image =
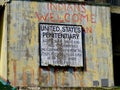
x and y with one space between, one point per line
55 76
30 52
32 79
81 79
14 70
63 76
75 69
24 78
40 76
48 78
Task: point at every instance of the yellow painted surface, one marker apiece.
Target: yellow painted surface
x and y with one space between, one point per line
23 47
3 56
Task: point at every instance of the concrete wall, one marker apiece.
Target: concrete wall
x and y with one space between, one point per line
23 44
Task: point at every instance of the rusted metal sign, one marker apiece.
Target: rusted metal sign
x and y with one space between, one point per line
61 45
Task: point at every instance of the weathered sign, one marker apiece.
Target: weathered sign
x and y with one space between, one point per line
61 45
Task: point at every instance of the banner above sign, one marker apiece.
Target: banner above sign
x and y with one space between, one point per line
61 45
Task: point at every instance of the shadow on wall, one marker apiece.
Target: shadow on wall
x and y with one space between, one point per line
1 24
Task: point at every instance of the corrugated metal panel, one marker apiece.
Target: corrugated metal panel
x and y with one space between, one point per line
23 44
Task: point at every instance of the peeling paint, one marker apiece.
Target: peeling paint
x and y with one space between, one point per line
23 46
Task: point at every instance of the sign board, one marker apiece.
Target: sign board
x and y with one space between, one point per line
61 45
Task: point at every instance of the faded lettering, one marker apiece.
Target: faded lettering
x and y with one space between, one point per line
74 13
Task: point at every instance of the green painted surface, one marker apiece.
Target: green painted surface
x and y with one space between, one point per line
5 86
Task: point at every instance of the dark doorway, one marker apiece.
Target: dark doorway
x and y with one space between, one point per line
115 18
